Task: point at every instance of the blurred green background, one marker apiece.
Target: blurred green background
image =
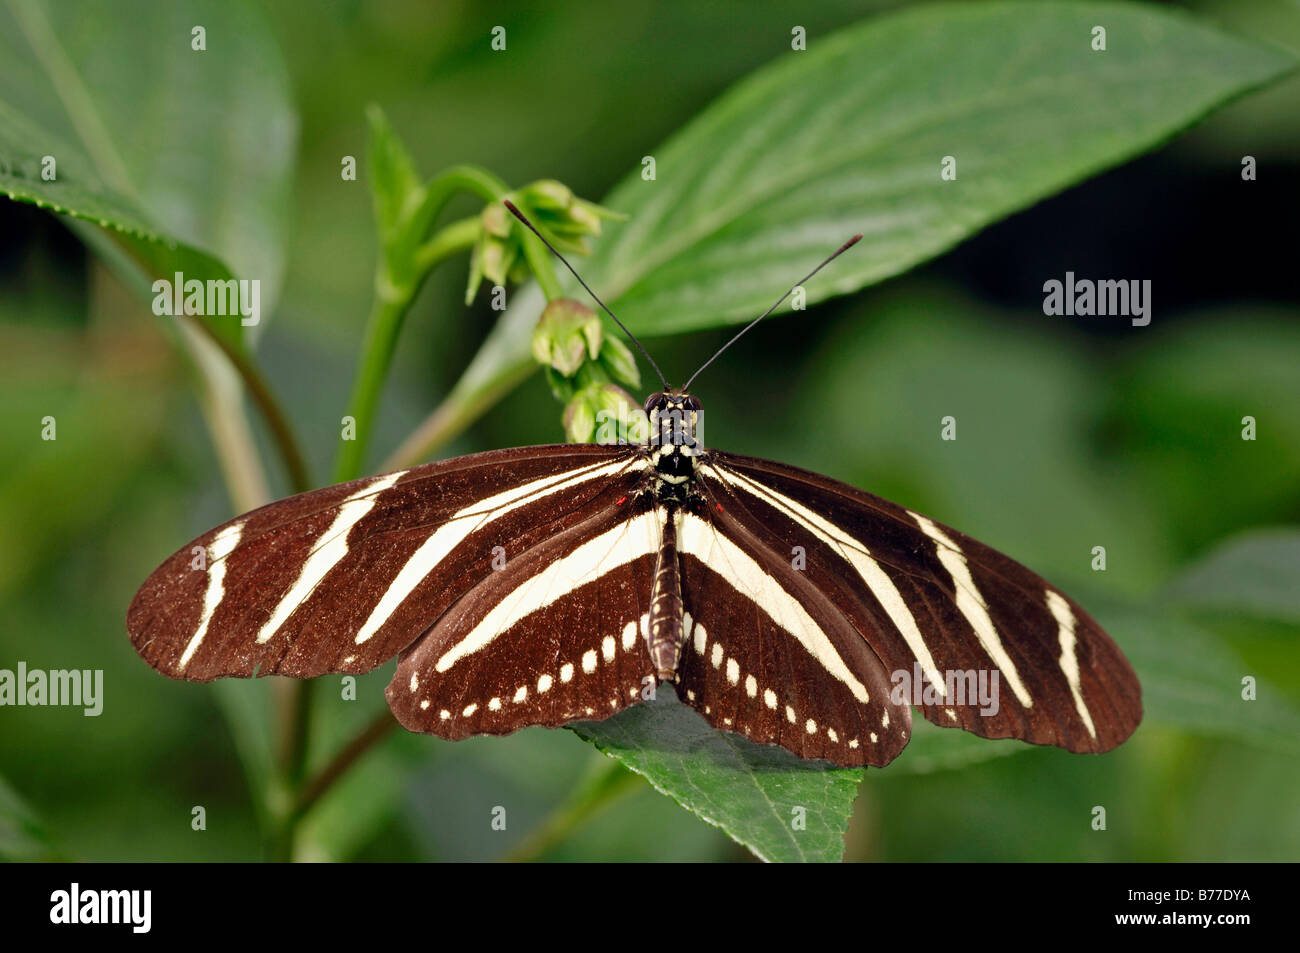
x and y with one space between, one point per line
1073 433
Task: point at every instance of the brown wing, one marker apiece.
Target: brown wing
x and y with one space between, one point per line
552 636
770 656
343 578
928 599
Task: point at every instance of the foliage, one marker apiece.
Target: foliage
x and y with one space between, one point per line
847 136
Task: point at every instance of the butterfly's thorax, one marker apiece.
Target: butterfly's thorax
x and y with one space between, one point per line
673 446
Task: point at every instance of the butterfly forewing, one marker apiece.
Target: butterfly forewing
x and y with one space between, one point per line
554 635
342 579
932 601
769 656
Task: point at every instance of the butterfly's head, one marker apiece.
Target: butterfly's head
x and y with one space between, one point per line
675 419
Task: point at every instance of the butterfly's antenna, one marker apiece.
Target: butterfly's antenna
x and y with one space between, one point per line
839 251
520 215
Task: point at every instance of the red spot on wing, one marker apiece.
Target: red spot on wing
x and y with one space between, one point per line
620 501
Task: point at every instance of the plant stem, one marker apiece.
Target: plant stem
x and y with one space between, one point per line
609 782
277 422
220 400
371 735
463 406
387 315
404 264
502 364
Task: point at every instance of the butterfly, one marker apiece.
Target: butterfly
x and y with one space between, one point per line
550 584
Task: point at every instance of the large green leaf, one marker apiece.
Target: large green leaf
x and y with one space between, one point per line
848 137
781 807
1254 574
185 156
1191 680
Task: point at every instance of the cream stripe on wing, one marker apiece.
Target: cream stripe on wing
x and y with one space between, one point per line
327 552
856 555
464 522
711 547
971 604
1069 660
222 545
625 543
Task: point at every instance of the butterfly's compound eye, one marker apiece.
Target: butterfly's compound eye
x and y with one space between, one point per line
655 402
691 402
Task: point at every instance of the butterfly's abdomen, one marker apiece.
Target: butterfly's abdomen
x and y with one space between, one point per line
664 628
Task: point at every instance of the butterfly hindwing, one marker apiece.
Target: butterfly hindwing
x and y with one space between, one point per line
554 635
343 578
767 655
931 600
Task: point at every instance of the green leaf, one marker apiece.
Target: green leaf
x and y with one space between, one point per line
1192 681
1255 574
936 748
186 158
753 792
849 136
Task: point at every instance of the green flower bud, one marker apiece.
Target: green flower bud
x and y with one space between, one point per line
562 387
562 217
566 336
547 196
613 401
618 360
579 419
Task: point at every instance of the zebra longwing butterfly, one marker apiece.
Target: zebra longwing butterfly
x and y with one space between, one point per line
544 585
